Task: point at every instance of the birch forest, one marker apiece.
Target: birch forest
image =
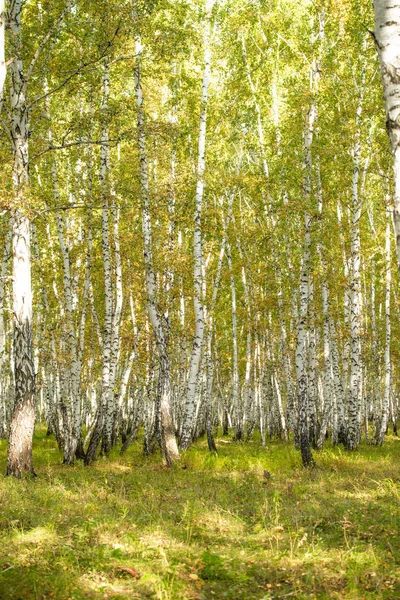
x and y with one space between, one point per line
199 255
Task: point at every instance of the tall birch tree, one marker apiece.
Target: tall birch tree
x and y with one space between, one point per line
22 424
195 360
387 40
169 446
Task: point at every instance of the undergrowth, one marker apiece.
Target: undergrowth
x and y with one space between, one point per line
213 527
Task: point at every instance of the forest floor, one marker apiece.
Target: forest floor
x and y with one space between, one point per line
212 527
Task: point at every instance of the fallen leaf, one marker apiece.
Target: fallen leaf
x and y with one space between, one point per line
193 576
129 570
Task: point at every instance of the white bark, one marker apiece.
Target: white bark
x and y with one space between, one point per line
355 391
346 305
72 389
115 337
190 404
236 399
246 390
387 39
327 382
107 390
306 393
311 367
388 369
22 424
327 376
3 67
301 350
168 442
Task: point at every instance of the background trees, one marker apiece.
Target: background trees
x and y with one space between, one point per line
289 247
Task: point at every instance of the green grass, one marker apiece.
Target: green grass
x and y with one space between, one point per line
215 529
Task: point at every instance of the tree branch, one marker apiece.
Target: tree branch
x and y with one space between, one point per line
56 25
76 71
71 144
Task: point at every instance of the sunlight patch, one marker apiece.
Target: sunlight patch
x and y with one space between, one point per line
39 535
219 522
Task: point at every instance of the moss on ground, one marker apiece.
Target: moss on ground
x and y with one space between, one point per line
216 529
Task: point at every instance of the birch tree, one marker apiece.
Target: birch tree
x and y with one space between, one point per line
306 400
3 66
23 419
168 441
383 423
387 40
195 359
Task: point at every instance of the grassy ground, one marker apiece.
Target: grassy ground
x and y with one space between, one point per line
215 529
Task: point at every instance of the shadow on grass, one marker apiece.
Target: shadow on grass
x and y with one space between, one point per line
216 529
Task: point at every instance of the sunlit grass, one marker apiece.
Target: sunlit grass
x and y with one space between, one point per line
211 527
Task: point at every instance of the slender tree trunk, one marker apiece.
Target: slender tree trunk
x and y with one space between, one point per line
72 433
327 377
71 402
195 360
327 383
388 370
108 289
301 344
301 352
115 337
236 396
168 442
374 347
306 395
312 372
355 393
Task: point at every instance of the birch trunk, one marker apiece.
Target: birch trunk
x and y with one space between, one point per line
169 446
246 390
3 66
108 289
386 395
327 377
115 337
327 386
236 399
23 420
208 348
190 403
355 397
3 387
312 373
72 432
387 39
306 401
303 433
301 352
342 429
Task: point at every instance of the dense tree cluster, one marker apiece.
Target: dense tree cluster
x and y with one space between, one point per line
196 224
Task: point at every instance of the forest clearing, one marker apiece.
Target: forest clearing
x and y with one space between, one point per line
211 527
